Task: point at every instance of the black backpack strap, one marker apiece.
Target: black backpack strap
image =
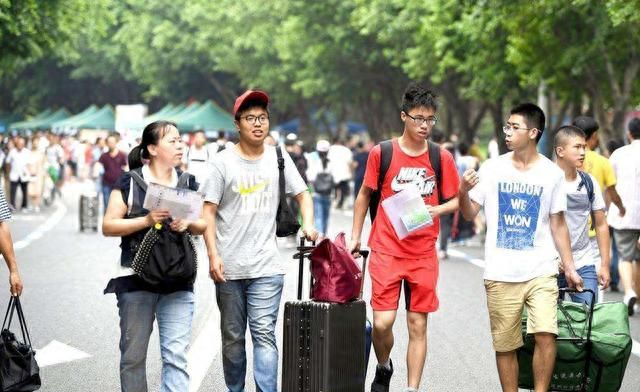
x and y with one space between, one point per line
140 186
281 175
587 182
136 176
183 180
386 153
436 164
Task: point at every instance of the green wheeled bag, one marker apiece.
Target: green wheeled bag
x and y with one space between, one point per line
593 348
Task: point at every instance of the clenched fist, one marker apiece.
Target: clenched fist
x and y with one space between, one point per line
470 179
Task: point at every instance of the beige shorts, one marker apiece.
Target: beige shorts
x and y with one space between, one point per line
506 301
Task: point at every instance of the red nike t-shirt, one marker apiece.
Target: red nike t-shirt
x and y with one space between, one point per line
403 170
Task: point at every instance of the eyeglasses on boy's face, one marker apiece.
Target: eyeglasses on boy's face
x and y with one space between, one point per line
419 120
508 128
251 119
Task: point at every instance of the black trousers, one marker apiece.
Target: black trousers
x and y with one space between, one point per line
342 192
14 188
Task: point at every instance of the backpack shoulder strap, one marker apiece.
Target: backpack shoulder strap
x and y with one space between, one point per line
281 174
386 153
136 176
183 180
587 182
138 185
280 158
436 163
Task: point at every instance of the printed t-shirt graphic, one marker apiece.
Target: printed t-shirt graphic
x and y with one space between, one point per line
426 182
518 209
254 191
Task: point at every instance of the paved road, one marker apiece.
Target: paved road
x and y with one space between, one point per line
65 271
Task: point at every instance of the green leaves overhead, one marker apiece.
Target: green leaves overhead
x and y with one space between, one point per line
353 57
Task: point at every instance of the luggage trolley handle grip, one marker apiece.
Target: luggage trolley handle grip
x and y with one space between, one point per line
303 251
365 256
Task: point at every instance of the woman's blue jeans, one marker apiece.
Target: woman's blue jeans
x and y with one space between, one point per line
174 313
256 302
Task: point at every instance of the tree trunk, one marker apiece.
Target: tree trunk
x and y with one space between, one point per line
620 91
227 95
497 115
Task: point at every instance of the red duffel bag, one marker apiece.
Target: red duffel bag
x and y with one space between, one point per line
336 275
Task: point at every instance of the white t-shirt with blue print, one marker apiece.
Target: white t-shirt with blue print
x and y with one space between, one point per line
519 245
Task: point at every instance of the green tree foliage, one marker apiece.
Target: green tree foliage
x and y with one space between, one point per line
353 57
29 29
580 48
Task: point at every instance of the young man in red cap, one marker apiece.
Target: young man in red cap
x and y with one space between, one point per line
241 201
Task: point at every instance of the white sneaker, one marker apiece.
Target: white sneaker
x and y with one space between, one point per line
630 301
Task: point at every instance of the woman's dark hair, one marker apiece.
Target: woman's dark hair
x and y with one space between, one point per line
151 135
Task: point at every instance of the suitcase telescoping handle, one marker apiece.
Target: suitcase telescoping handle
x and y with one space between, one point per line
304 251
365 255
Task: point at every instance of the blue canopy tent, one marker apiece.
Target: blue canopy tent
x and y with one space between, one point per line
321 121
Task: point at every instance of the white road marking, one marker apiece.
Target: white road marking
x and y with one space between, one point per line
50 223
635 350
206 346
56 352
204 349
28 218
461 255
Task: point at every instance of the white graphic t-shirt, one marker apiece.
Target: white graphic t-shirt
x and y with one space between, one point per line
247 195
517 204
585 251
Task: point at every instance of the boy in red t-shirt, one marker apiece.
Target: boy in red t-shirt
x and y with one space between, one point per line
412 260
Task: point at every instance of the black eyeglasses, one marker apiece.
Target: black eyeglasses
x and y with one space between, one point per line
419 120
252 119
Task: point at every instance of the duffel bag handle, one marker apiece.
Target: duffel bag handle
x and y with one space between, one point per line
14 305
590 317
588 345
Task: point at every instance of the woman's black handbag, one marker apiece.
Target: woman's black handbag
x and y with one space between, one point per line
19 370
286 222
166 257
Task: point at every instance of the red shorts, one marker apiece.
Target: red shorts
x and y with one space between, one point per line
420 277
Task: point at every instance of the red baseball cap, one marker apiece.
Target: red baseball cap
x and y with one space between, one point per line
252 95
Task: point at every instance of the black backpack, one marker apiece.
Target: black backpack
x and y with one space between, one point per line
585 180
163 257
386 154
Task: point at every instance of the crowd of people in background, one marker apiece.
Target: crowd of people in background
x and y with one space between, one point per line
335 172
35 167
